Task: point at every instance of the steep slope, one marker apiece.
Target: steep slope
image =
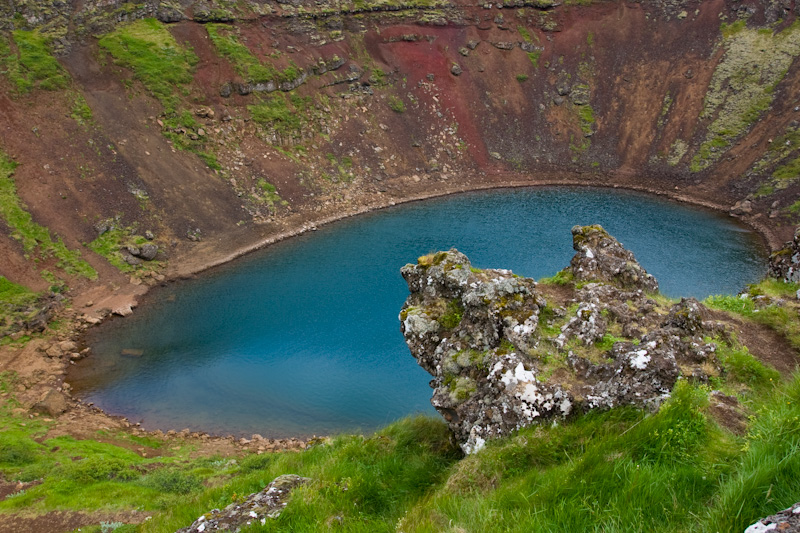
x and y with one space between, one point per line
217 126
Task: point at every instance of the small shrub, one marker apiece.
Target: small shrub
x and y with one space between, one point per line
396 105
522 77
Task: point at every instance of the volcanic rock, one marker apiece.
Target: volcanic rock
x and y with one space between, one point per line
480 334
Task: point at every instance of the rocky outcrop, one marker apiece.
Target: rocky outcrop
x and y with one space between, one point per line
784 264
786 521
601 257
486 337
256 509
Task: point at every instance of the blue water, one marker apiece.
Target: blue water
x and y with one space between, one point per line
303 338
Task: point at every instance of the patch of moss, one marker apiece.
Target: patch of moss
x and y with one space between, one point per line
32 65
148 49
452 315
742 87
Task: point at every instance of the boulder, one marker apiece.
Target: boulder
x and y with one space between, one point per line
52 403
784 264
255 509
148 251
455 69
786 521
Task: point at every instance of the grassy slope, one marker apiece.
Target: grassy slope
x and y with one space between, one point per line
622 470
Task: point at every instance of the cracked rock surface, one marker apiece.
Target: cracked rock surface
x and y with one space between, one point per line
502 359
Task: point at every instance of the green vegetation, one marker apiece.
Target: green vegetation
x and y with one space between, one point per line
148 49
17 303
781 316
396 104
743 85
522 77
269 194
110 244
586 116
277 113
166 69
452 315
248 66
534 57
32 65
81 112
35 239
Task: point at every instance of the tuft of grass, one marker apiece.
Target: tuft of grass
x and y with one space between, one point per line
522 77
34 237
534 58
396 104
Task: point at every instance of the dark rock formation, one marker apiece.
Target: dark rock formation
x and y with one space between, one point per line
601 257
784 264
479 333
256 509
786 521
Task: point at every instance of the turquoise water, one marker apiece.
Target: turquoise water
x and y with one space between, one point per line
303 338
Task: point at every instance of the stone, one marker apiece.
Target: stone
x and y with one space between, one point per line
455 69
68 346
464 51
256 508
54 351
743 207
226 90
784 264
786 521
148 251
52 403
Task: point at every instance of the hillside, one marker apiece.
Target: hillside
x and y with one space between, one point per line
142 142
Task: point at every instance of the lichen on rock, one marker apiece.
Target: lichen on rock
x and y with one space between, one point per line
494 367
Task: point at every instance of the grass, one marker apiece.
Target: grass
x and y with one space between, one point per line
534 58
619 470
35 239
17 303
783 318
396 104
276 112
148 49
522 77
32 65
109 244
244 62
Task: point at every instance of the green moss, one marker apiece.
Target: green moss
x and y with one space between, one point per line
35 239
522 77
743 85
534 57
586 116
32 65
452 315
110 244
248 66
148 49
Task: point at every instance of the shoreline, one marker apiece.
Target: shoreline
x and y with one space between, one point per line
299 223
